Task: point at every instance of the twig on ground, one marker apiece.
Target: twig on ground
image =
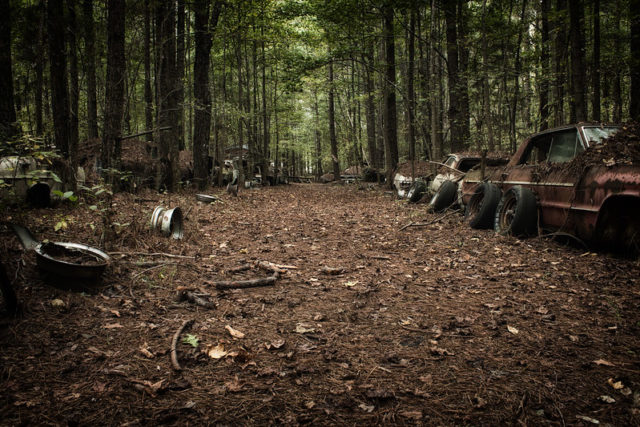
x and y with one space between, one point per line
174 344
152 254
192 297
241 284
424 224
135 276
332 271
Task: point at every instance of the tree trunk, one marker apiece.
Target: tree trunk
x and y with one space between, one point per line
516 81
332 126
167 95
463 57
265 117
40 59
74 93
578 74
455 119
318 141
634 101
59 89
560 60
114 92
545 67
204 27
390 116
90 69
617 77
7 108
370 109
180 55
410 89
148 94
595 65
436 90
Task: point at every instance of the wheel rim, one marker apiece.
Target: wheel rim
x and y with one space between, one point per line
507 213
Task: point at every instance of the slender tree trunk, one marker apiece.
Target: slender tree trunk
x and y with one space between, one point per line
455 119
560 60
59 87
90 69
74 92
318 140
410 89
40 60
595 63
634 100
265 117
332 126
114 93
617 78
180 55
486 94
370 109
167 94
463 69
516 82
148 94
578 74
545 67
204 27
7 108
435 98
390 115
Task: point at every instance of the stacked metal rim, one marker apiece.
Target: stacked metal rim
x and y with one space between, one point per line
168 221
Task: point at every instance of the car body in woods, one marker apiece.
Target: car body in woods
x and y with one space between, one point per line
582 180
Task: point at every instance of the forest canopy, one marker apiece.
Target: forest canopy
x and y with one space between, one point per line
305 87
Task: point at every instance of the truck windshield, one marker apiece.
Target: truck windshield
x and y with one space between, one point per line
595 135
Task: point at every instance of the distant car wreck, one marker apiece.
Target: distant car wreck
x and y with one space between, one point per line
582 180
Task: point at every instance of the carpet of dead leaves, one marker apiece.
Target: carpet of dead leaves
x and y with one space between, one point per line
434 325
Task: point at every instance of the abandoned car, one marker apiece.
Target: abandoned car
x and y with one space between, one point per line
557 181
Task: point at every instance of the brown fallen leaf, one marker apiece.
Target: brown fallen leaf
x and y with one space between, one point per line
615 384
414 415
217 352
602 362
144 349
233 386
234 332
113 326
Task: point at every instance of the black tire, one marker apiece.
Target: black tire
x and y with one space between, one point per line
517 213
445 197
481 209
416 191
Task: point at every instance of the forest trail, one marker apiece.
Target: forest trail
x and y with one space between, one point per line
439 325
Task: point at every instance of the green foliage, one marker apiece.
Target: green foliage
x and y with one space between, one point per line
192 340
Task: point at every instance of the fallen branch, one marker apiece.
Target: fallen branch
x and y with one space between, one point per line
424 224
382 257
266 265
239 269
192 297
332 271
152 254
174 344
241 284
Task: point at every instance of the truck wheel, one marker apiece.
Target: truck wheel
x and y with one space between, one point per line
517 213
444 197
416 191
481 209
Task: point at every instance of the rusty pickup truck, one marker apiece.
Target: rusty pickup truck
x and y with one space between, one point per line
545 186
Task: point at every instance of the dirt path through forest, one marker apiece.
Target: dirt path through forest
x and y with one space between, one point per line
434 325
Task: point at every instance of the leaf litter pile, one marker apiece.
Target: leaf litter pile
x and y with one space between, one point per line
359 322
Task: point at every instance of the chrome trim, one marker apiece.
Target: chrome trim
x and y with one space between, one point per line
543 184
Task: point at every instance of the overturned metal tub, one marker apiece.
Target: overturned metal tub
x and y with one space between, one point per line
168 221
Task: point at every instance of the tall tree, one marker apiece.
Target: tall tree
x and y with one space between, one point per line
634 95
59 88
595 63
410 90
578 73
333 139
148 94
167 95
390 113
114 91
545 66
74 87
560 60
455 119
205 23
180 58
90 69
7 108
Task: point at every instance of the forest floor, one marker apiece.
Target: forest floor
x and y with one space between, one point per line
434 325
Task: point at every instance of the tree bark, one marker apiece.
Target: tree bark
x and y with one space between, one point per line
463 66
148 94
410 89
578 74
455 119
205 24
634 101
74 91
7 108
390 114
114 92
59 88
617 77
560 60
180 57
545 67
167 95
595 63
332 126
90 69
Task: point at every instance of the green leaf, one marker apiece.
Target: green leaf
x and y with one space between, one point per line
73 198
58 193
192 340
93 207
56 178
68 194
